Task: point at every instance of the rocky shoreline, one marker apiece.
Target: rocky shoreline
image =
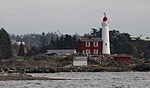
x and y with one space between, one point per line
53 65
21 73
18 76
91 68
14 73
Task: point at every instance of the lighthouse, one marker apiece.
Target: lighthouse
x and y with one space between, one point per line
105 36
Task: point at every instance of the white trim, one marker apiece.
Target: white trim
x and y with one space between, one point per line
87 44
87 51
95 51
95 44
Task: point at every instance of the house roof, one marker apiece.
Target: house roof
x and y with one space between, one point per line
61 51
90 40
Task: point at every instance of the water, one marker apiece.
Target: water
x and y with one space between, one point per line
96 80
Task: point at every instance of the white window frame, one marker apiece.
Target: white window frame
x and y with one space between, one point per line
88 52
95 44
87 44
95 51
83 52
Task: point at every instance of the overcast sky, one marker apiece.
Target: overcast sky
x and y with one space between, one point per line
74 16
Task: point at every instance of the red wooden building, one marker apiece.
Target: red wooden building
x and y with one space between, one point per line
122 58
89 46
93 46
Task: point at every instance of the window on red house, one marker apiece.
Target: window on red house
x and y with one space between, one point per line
95 51
87 44
87 51
95 44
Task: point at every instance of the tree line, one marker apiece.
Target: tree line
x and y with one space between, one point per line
121 43
63 42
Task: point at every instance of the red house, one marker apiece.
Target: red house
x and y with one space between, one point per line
89 46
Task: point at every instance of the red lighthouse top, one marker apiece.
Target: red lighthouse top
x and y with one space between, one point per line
105 18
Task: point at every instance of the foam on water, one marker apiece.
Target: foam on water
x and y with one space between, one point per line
96 80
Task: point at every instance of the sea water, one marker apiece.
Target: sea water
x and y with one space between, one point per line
93 80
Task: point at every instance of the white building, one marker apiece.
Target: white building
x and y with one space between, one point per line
17 43
145 38
79 60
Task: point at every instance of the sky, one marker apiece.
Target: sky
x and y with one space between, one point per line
74 16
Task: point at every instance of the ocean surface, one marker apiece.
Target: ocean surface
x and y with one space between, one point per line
95 80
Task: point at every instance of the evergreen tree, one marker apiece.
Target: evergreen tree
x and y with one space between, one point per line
94 32
30 53
74 40
43 43
58 44
52 44
21 50
5 45
62 45
35 50
68 41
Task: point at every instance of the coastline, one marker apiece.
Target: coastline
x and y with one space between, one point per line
90 68
54 65
18 76
7 74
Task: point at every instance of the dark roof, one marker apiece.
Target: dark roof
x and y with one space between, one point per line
92 39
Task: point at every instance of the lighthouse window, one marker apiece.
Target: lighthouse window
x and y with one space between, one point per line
95 52
95 44
87 44
106 44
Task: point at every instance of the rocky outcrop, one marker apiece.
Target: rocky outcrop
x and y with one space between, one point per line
8 76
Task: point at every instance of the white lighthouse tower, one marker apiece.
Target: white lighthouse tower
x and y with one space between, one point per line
105 36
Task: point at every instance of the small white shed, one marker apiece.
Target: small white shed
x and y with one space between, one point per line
79 60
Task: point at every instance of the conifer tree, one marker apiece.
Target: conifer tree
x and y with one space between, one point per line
43 43
52 44
21 50
5 45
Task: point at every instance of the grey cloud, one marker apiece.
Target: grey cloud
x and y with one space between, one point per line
74 16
